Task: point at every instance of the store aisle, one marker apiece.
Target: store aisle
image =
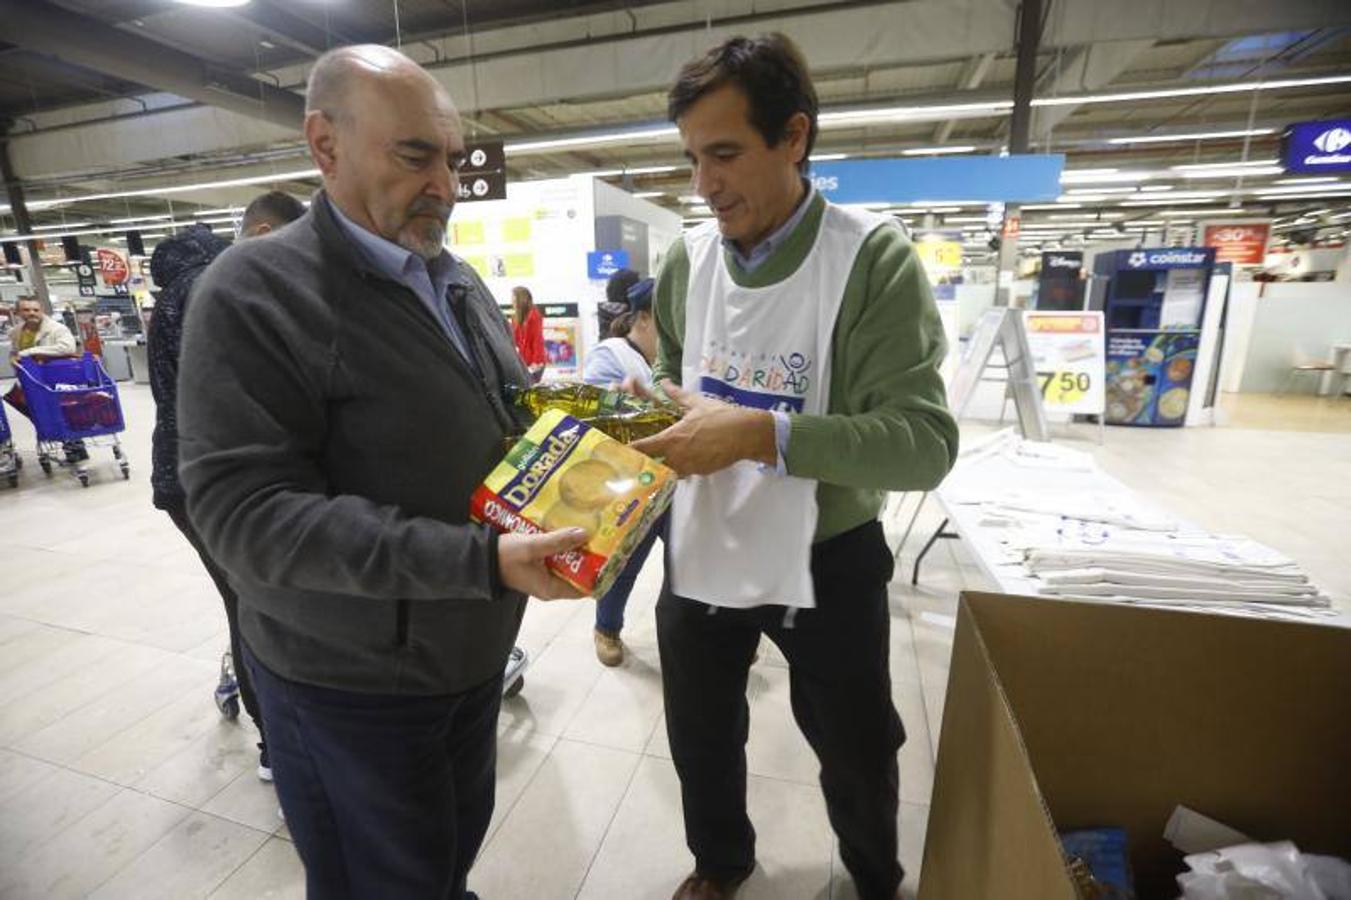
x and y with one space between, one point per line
119 779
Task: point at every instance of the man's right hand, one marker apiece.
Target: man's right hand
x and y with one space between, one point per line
520 561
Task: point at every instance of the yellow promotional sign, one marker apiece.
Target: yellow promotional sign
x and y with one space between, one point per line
466 233
1069 353
516 230
939 256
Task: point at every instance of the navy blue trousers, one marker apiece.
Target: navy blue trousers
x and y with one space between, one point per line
385 796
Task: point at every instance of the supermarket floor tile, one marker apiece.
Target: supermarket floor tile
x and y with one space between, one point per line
107 664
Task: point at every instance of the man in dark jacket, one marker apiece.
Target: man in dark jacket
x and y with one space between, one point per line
174 266
342 395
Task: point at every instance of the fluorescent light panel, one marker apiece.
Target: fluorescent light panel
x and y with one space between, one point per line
1200 91
1190 136
937 151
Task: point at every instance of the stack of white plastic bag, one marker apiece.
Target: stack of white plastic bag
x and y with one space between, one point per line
1265 872
1076 532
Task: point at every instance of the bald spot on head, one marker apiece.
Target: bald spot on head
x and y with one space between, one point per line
343 77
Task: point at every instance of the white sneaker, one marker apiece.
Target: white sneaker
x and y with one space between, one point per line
264 766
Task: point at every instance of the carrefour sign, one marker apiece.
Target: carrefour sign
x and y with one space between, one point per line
1318 146
1165 258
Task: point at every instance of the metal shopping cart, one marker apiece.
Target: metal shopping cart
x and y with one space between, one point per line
74 405
10 460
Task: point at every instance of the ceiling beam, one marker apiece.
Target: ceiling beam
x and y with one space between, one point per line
290 29
79 40
1087 68
973 73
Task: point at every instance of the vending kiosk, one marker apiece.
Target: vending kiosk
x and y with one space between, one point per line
1153 301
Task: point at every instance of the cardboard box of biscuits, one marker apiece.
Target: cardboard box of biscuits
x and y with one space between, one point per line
563 474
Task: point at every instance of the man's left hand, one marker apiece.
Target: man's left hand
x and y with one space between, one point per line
711 435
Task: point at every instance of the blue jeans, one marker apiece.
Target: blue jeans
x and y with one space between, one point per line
610 608
385 796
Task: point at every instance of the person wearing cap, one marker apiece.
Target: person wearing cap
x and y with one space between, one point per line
625 357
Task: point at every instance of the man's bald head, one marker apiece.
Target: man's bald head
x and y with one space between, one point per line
388 141
340 73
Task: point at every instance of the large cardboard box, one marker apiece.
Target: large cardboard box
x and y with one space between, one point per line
1063 715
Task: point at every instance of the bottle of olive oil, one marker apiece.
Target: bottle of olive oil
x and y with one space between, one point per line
621 416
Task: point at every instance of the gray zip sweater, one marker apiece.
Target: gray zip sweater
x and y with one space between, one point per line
330 438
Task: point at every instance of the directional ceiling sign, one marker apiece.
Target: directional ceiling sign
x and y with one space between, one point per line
484 174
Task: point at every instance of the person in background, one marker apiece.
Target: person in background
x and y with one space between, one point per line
624 359
527 328
616 301
802 343
40 336
175 266
268 212
343 393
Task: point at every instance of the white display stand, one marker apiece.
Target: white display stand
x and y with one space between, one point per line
1201 406
1002 327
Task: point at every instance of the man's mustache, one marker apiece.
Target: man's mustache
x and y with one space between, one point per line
427 206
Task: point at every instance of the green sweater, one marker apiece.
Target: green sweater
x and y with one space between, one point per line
887 426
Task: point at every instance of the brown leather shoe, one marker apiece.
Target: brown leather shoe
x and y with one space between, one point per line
609 648
697 887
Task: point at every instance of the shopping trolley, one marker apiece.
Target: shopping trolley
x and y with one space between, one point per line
10 460
74 405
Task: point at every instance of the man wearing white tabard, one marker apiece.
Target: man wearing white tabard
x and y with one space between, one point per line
803 343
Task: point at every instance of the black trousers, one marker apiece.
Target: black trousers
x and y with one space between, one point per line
840 687
385 796
231 600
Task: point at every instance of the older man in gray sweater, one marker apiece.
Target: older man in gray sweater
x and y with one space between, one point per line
342 394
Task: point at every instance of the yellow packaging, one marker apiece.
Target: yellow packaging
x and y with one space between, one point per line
563 474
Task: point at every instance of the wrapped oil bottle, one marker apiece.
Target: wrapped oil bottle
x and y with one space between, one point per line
619 415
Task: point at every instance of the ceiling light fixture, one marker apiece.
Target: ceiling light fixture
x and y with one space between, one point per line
937 151
1207 90
1236 164
903 113
141 219
632 136
637 170
1234 172
1327 179
297 175
1165 201
1089 177
1191 136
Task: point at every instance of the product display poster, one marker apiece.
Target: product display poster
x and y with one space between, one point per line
1240 243
1069 354
1149 376
561 341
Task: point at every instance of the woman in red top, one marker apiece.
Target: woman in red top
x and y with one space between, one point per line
528 328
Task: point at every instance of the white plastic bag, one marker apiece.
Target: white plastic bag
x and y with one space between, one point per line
1264 872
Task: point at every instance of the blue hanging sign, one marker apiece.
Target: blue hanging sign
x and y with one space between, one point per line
974 179
1317 147
601 264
